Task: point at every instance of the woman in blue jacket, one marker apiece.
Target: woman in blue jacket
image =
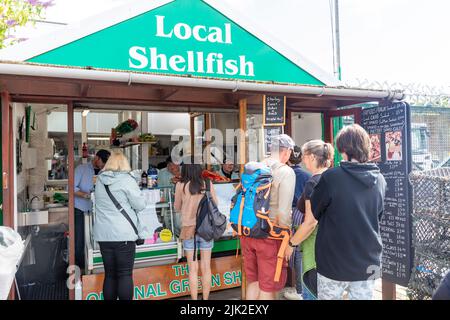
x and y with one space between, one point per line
112 231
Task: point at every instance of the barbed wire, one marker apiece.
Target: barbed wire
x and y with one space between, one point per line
418 94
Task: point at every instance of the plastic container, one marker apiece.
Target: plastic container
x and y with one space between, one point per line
11 250
152 174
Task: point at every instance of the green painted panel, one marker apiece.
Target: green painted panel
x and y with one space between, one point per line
338 124
219 246
225 245
184 37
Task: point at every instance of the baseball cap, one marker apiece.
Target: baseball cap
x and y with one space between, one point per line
283 141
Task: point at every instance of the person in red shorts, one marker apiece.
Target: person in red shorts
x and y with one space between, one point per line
261 255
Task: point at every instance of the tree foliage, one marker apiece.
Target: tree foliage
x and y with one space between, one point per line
18 13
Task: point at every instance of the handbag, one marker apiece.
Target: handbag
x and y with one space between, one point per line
125 214
210 222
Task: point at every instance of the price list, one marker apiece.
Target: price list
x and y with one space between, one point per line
389 130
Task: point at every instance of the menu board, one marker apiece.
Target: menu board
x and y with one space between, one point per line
274 110
270 132
389 130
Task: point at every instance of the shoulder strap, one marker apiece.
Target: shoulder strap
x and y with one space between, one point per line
122 210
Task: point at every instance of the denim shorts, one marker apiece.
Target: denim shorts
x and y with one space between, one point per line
202 244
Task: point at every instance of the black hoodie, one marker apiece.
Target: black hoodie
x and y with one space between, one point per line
348 203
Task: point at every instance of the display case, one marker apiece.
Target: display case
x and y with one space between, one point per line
161 215
163 248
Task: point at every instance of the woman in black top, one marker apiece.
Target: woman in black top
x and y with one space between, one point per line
317 156
348 203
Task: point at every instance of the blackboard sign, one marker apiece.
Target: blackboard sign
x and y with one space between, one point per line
274 110
270 132
389 130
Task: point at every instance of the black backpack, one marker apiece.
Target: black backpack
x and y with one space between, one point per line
211 223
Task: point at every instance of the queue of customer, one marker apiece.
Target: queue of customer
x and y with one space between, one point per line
343 206
336 214
339 232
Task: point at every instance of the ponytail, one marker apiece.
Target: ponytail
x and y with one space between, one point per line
322 151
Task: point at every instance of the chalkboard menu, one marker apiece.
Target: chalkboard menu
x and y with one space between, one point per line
270 132
389 130
274 110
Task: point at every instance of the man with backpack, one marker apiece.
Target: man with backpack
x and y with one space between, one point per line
264 243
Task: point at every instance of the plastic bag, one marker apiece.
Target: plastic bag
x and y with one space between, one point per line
11 250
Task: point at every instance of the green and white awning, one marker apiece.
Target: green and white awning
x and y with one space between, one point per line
181 37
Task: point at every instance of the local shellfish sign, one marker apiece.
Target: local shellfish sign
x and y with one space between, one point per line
181 37
191 61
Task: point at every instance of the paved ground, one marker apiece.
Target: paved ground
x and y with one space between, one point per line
235 294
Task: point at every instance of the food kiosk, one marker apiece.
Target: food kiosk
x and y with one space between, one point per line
183 56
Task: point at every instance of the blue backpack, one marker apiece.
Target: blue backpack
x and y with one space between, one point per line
249 215
250 207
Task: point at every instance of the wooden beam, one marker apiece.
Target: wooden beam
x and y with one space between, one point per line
120 101
165 94
84 90
388 290
345 112
71 189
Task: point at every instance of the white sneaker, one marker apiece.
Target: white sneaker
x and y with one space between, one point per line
292 295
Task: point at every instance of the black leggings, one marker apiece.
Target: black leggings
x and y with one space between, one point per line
118 260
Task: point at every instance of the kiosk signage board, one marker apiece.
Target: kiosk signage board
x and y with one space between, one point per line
270 132
389 130
183 37
274 110
169 281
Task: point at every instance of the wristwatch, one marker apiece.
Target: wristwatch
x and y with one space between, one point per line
291 245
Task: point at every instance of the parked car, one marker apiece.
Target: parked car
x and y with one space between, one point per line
421 155
445 163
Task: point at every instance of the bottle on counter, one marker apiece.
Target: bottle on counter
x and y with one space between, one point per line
152 174
144 180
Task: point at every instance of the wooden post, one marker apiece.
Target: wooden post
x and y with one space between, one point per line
71 189
208 142
328 127
7 169
388 290
192 134
145 147
288 127
242 160
243 127
84 134
7 187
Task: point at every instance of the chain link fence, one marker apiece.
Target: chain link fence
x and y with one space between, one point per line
431 231
430 133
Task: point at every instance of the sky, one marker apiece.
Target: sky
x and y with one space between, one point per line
394 41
